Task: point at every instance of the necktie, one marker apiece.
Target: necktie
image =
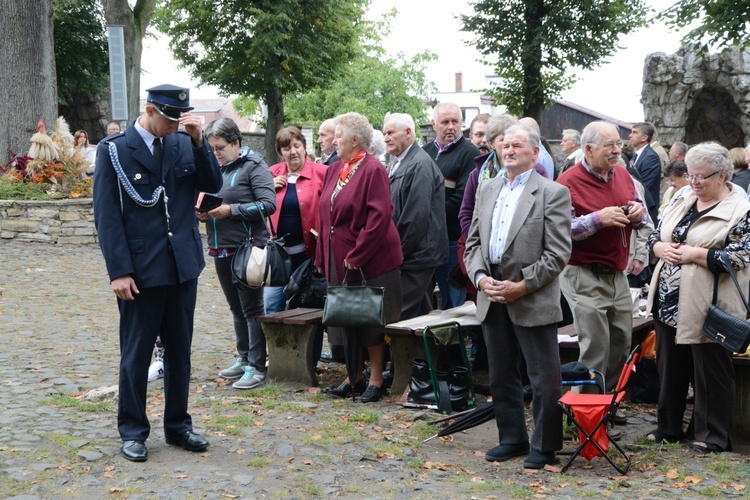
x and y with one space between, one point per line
393 168
157 151
635 158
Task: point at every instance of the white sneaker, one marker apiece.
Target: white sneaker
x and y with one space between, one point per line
156 370
251 378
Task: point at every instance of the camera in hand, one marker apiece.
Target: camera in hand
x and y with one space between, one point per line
626 208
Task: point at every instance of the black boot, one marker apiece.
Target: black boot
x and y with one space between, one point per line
459 388
420 387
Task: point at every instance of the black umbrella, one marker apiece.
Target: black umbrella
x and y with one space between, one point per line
351 352
467 420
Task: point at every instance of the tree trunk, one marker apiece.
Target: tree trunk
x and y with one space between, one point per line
531 60
275 105
135 23
28 91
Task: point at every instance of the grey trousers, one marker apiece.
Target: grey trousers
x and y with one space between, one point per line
603 316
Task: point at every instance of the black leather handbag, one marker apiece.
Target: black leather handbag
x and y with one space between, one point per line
306 288
354 306
255 265
726 330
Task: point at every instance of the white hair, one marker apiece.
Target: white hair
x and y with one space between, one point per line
402 121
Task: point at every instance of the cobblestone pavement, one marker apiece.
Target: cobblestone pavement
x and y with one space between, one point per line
58 341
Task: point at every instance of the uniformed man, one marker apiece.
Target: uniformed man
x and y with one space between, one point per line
144 209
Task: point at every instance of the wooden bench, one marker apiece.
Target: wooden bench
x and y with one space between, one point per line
406 339
290 336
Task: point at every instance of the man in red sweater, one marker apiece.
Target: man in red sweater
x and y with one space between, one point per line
606 208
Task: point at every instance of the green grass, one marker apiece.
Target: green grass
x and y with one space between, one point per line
306 485
333 430
365 416
230 424
63 401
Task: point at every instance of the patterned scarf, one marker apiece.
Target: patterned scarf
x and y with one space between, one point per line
346 168
490 168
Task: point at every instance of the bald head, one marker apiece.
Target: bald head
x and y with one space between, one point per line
531 123
447 120
325 137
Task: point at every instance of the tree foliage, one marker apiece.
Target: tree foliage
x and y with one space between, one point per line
724 23
81 54
389 85
263 48
535 45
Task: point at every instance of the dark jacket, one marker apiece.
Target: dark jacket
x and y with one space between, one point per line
358 227
417 195
648 165
246 180
455 164
138 240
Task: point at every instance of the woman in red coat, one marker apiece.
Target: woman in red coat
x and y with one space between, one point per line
357 232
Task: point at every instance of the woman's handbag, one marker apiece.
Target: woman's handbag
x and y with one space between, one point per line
354 306
731 333
255 266
306 288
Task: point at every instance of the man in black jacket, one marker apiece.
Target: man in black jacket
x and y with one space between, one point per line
454 156
418 198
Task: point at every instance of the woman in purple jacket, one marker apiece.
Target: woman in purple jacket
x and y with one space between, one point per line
357 232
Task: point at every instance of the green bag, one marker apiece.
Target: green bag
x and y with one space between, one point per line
354 306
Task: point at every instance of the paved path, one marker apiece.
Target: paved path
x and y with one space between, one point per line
58 340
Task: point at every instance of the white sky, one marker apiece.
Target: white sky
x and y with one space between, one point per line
613 89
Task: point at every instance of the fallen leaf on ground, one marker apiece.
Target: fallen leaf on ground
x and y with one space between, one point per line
673 474
240 452
737 486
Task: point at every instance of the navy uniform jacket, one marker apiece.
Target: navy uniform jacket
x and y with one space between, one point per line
134 239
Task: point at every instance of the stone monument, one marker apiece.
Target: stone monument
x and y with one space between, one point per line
694 97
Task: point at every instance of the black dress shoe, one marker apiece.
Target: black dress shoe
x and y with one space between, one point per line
189 441
372 394
538 459
345 389
505 452
135 451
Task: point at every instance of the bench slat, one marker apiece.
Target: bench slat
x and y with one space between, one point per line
281 317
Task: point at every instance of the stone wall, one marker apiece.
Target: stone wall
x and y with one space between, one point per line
694 97
62 221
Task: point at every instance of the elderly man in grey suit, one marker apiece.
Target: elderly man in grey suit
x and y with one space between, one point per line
518 244
418 197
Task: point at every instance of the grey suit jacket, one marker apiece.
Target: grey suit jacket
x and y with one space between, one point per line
537 249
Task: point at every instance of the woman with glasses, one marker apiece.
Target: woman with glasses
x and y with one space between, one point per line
247 196
298 182
711 218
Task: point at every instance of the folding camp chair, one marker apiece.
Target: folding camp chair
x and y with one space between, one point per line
577 374
446 334
592 412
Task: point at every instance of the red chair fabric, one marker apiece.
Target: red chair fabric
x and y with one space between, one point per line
592 412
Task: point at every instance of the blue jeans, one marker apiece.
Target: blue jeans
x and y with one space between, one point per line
449 296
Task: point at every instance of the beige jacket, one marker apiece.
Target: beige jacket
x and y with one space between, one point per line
697 282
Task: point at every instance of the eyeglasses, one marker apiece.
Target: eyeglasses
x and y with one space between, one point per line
613 144
219 149
700 178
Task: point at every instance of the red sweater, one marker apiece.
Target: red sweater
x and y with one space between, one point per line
609 245
358 227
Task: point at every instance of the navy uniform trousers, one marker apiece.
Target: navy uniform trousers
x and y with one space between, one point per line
165 310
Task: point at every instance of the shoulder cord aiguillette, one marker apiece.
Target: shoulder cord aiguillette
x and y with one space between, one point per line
125 183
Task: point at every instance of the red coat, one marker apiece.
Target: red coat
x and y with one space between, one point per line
309 186
358 227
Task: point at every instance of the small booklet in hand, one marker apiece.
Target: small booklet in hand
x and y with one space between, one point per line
207 202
